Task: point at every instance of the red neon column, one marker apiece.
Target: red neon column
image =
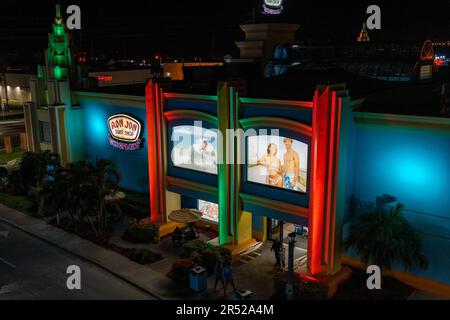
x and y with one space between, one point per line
153 141
325 142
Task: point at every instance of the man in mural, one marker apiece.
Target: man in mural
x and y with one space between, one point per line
291 168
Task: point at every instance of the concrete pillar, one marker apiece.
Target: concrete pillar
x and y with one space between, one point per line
8 145
23 141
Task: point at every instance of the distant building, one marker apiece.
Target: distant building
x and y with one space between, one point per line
176 70
15 88
395 62
120 77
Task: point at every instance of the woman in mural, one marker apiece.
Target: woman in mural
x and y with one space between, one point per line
205 156
273 165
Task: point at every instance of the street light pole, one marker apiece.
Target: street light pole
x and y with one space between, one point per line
291 278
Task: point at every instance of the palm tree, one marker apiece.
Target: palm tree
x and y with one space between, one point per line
384 237
79 189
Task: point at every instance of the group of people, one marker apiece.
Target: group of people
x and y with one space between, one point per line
286 176
280 253
178 235
223 273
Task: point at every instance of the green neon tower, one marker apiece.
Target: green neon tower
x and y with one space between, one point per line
58 54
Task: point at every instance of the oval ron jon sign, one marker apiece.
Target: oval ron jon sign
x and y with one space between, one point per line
125 132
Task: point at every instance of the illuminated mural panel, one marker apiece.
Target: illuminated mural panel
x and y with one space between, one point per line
278 162
210 210
194 148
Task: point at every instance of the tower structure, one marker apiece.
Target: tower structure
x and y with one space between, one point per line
364 34
58 55
54 118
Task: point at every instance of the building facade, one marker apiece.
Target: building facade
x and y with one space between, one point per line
317 163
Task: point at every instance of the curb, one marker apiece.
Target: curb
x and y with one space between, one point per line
97 264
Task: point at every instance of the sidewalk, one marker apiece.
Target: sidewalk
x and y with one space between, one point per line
142 277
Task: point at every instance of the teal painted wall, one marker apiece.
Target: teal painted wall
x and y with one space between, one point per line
76 134
132 165
413 164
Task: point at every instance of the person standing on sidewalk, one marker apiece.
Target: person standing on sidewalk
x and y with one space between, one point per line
218 273
228 276
276 248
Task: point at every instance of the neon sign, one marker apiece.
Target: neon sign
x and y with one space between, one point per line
125 132
273 7
105 78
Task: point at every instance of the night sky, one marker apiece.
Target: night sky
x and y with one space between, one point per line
203 28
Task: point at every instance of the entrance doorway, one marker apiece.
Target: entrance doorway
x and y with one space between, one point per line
281 229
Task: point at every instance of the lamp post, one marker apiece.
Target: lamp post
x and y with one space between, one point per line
290 281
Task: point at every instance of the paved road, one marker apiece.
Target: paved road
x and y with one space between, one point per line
33 269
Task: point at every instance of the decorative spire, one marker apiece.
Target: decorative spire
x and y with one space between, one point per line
364 34
58 17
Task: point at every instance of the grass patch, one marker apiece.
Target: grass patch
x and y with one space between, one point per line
5 157
19 203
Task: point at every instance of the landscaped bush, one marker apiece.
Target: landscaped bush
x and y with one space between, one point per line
32 171
180 271
303 289
4 175
142 256
193 246
208 252
142 232
19 203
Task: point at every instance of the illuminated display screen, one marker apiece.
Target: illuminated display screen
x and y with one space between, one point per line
278 162
210 210
194 148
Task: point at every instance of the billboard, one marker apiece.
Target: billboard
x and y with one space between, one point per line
278 162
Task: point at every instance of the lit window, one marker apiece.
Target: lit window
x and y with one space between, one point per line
210 210
45 132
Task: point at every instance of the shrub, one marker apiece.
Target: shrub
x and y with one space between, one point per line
180 271
193 246
4 175
19 203
32 171
303 289
211 254
142 232
208 253
142 256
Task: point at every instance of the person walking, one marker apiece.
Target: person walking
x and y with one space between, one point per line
276 247
218 273
228 276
